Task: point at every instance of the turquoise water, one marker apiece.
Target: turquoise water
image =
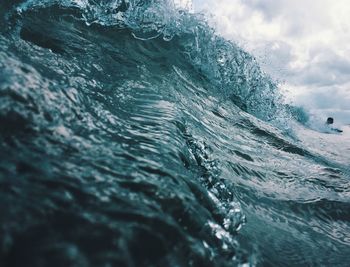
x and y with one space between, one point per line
132 135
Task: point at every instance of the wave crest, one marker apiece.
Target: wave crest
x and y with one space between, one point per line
234 72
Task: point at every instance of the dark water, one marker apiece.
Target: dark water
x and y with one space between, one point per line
131 135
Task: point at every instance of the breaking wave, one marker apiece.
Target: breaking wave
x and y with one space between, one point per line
133 135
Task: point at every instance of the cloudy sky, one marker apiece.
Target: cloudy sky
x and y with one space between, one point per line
305 44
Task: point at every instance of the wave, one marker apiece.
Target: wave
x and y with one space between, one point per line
133 135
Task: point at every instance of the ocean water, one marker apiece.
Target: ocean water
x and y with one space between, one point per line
132 135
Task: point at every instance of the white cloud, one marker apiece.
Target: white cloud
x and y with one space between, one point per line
303 42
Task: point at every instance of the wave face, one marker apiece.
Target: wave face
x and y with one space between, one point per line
132 135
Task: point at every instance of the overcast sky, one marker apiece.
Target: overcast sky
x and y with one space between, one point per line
303 43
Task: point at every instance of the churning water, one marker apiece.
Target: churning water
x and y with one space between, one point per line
132 135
